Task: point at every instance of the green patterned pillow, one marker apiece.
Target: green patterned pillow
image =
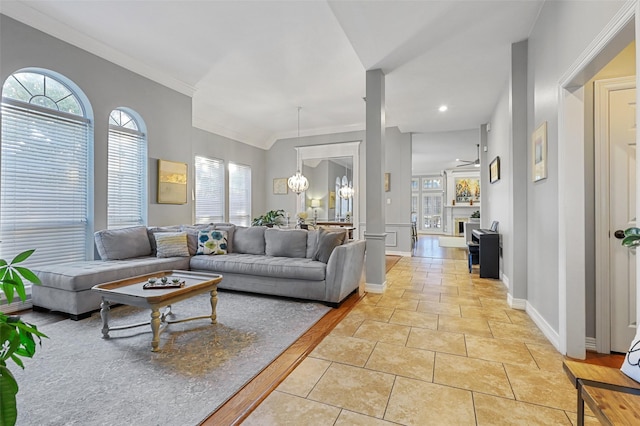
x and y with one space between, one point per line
212 241
172 244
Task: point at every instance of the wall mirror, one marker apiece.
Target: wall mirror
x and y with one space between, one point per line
333 174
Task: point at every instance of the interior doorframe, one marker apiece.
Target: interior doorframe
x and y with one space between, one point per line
603 197
615 36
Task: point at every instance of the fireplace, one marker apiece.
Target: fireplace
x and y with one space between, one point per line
458 225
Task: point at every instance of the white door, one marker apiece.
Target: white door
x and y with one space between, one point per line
622 215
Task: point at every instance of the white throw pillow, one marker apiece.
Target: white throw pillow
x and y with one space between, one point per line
172 244
631 364
212 242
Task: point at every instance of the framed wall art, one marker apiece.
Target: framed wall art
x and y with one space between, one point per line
467 190
280 186
539 153
332 199
172 182
387 182
494 170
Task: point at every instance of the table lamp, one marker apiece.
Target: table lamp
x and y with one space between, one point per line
315 204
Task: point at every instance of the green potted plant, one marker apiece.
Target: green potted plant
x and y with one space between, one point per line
631 237
270 218
17 338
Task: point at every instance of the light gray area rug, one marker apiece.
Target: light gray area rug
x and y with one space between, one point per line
77 378
457 242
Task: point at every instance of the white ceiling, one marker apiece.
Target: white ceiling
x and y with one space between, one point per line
249 64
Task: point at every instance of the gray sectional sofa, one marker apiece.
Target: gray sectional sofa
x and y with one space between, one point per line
315 265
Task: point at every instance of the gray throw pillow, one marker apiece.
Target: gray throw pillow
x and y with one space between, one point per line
230 228
312 243
249 240
125 243
285 243
192 235
327 242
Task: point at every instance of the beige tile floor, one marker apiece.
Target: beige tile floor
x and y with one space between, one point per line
440 347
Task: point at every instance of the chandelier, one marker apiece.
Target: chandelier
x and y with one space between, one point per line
346 190
298 183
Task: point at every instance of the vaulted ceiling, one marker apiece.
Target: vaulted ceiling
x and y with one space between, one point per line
248 65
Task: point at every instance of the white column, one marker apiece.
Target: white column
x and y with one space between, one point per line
375 275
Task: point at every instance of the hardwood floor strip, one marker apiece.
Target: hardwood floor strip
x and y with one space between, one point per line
428 246
238 407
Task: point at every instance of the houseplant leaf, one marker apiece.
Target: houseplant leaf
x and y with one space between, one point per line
631 237
28 274
8 391
16 337
22 256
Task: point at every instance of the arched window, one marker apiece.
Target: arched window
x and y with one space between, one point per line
45 171
127 187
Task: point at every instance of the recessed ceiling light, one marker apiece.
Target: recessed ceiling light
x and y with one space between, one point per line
443 108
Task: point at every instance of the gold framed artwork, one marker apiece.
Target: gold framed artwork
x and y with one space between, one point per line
494 170
539 153
332 200
172 182
280 186
387 182
467 190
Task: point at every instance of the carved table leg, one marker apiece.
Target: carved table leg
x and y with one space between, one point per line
104 314
214 303
155 327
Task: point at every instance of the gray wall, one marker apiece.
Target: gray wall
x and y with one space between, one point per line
562 32
281 161
498 194
166 113
398 200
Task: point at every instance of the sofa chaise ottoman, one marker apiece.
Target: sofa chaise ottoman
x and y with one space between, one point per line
314 265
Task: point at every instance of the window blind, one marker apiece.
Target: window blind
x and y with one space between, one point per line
44 184
209 190
239 194
127 188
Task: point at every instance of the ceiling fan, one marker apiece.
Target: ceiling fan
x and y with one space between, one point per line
475 163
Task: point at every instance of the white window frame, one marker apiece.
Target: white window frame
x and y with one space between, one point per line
209 178
239 194
46 173
127 171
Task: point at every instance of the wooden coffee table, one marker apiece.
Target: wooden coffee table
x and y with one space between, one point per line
131 292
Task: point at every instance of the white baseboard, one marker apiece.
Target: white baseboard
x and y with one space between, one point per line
505 281
398 253
520 304
590 344
544 326
375 288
